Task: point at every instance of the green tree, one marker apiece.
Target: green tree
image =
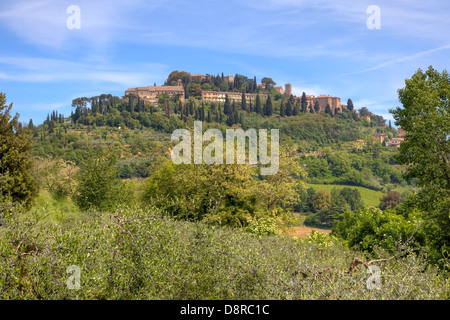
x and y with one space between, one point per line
17 181
243 102
364 112
288 110
316 106
296 109
268 107
328 110
175 75
350 105
258 105
195 90
282 109
368 228
227 106
321 200
352 197
268 82
304 103
97 182
425 116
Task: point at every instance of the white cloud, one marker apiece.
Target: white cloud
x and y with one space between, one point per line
39 70
402 59
309 90
44 22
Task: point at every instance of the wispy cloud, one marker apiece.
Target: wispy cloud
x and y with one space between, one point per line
44 22
282 28
400 60
40 70
309 90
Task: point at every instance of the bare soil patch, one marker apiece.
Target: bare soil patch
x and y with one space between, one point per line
302 232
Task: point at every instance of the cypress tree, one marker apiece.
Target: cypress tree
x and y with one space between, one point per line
230 120
289 108
258 104
350 105
316 106
304 103
296 110
244 101
16 178
282 110
31 125
311 109
191 107
328 110
268 107
226 106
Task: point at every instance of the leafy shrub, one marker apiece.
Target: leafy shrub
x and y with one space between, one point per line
98 186
263 226
369 228
319 238
140 254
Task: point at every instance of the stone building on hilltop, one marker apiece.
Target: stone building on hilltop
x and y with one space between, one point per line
334 102
217 96
288 89
151 93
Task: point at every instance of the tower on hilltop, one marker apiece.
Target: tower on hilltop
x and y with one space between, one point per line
288 89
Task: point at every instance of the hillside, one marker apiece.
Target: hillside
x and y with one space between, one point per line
140 133
369 197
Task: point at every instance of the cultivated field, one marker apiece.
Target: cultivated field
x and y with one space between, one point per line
368 196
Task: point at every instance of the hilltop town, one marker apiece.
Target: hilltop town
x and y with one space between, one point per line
178 89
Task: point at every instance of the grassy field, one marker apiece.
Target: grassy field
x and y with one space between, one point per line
369 197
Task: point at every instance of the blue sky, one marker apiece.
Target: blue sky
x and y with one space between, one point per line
321 47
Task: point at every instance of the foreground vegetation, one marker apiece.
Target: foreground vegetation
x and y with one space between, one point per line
141 254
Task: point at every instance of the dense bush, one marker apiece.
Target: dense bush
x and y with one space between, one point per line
223 193
97 184
17 181
369 228
139 254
